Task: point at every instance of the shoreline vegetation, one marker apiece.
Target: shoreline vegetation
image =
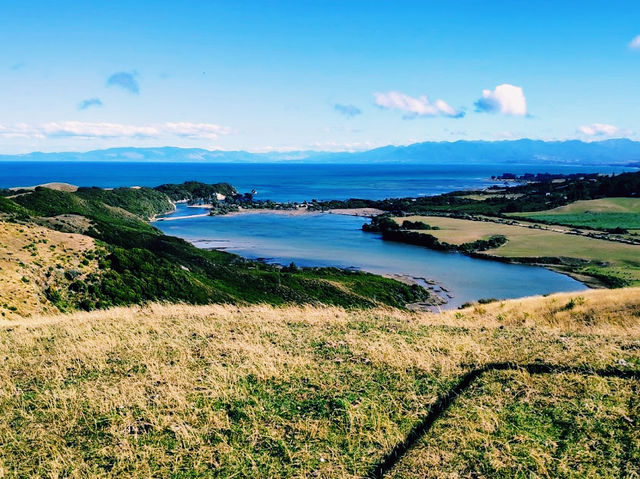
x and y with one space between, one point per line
597 262
603 204
137 263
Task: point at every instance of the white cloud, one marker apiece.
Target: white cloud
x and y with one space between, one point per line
506 99
113 130
599 129
195 130
413 107
635 43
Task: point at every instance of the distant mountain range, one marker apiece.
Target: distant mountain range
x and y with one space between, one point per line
608 152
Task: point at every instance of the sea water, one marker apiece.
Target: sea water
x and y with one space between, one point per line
280 181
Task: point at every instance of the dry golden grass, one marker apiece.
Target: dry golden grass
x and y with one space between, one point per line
33 258
52 186
222 391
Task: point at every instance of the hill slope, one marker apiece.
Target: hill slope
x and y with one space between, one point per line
40 268
137 263
261 391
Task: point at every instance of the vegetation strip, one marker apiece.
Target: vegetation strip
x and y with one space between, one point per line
443 403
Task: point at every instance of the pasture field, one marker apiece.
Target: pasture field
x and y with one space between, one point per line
263 391
605 257
605 213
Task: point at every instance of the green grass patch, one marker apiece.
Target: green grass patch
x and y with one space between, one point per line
604 214
516 425
599 221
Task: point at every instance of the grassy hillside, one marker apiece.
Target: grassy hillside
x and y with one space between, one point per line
260 391
138 263
41 270
605 213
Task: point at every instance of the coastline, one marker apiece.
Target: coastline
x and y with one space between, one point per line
360 212
155 217
557 265
363 212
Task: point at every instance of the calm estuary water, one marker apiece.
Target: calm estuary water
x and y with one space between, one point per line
337 240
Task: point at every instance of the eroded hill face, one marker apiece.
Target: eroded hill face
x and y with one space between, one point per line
38 266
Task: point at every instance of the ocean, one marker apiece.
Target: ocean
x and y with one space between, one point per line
282 181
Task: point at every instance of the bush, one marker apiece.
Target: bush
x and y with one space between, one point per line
418 225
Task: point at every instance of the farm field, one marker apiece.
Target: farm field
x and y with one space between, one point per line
619 259
606 213
263 391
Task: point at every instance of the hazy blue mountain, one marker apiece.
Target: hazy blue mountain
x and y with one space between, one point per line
618 152
614 152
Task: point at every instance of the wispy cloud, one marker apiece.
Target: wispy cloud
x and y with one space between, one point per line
88 103
635 43
126 81
599 129
414 107
89 130
347 110
506 99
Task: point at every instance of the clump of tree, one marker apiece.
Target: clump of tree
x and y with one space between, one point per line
196 191
406 233
380 224
418 225
223 208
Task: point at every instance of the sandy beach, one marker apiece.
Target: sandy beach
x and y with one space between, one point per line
364 212
174 218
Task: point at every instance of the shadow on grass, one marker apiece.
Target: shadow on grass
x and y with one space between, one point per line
443 403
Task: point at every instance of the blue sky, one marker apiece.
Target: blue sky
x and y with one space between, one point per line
324 75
